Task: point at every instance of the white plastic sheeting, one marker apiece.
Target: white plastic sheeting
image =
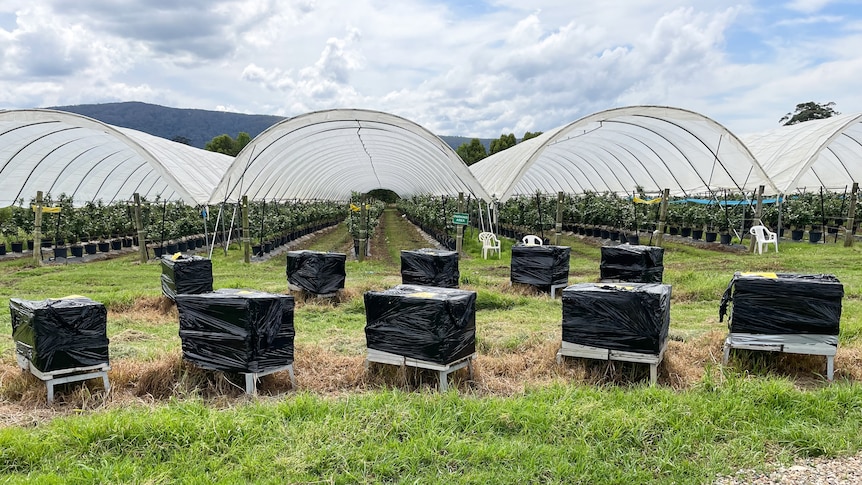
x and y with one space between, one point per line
58 152
818 153
326 155
620 149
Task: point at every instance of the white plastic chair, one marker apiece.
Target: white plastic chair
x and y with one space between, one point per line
489 243
531 240
764 237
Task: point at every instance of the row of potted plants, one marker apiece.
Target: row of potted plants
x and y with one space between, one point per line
433 214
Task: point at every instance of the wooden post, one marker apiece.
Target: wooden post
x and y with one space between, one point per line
662 217
246 234
558 227
37 231
758 211
363 229
142 234
459 229
851 217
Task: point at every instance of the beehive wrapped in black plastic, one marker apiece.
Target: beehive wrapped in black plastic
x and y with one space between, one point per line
632 263
783 303
61 334
430 267
237 330
316 272
189 275
540 265
632 317
422 322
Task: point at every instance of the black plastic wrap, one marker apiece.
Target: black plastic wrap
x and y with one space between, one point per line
60 334
540 265
632 263
316 272
189 275
632 317
237 330
422 322
783 303
430 267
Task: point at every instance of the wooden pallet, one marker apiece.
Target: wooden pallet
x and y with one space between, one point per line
443 371
251 378
570 349
64 376
751 342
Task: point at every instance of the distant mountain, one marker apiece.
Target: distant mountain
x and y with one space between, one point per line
198 126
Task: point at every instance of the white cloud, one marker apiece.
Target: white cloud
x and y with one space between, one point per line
455 68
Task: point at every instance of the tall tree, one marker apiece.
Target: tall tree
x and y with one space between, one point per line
502 143
227 145
529 135
809 111
472 152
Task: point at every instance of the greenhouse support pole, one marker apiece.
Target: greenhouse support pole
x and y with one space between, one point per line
780 223
662 217
758 212
363 229
37 230
215 231
558 227
142 234
459 230
246 235
851 217
205 214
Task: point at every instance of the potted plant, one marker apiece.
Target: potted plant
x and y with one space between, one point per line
714 220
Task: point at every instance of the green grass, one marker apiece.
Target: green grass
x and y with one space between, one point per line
564 432
560 434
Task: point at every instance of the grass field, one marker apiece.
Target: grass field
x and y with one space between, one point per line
523 417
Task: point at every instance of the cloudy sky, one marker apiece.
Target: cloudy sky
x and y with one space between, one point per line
457 67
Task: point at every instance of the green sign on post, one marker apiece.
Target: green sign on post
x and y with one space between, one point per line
460 219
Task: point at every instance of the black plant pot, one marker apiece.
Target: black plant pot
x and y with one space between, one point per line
104 247
116 244
90 248
615 235
47 244
674 231
29 245
77 251
796 234
256 250
685 232
17 247
158 251
171 248
697 234
267 247
199 242
127 242
2 249
711 236
814 236
725 239
182 246
61 252
633 239
606 234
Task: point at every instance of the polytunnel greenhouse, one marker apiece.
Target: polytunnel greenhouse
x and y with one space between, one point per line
63 153
329 155
618 150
